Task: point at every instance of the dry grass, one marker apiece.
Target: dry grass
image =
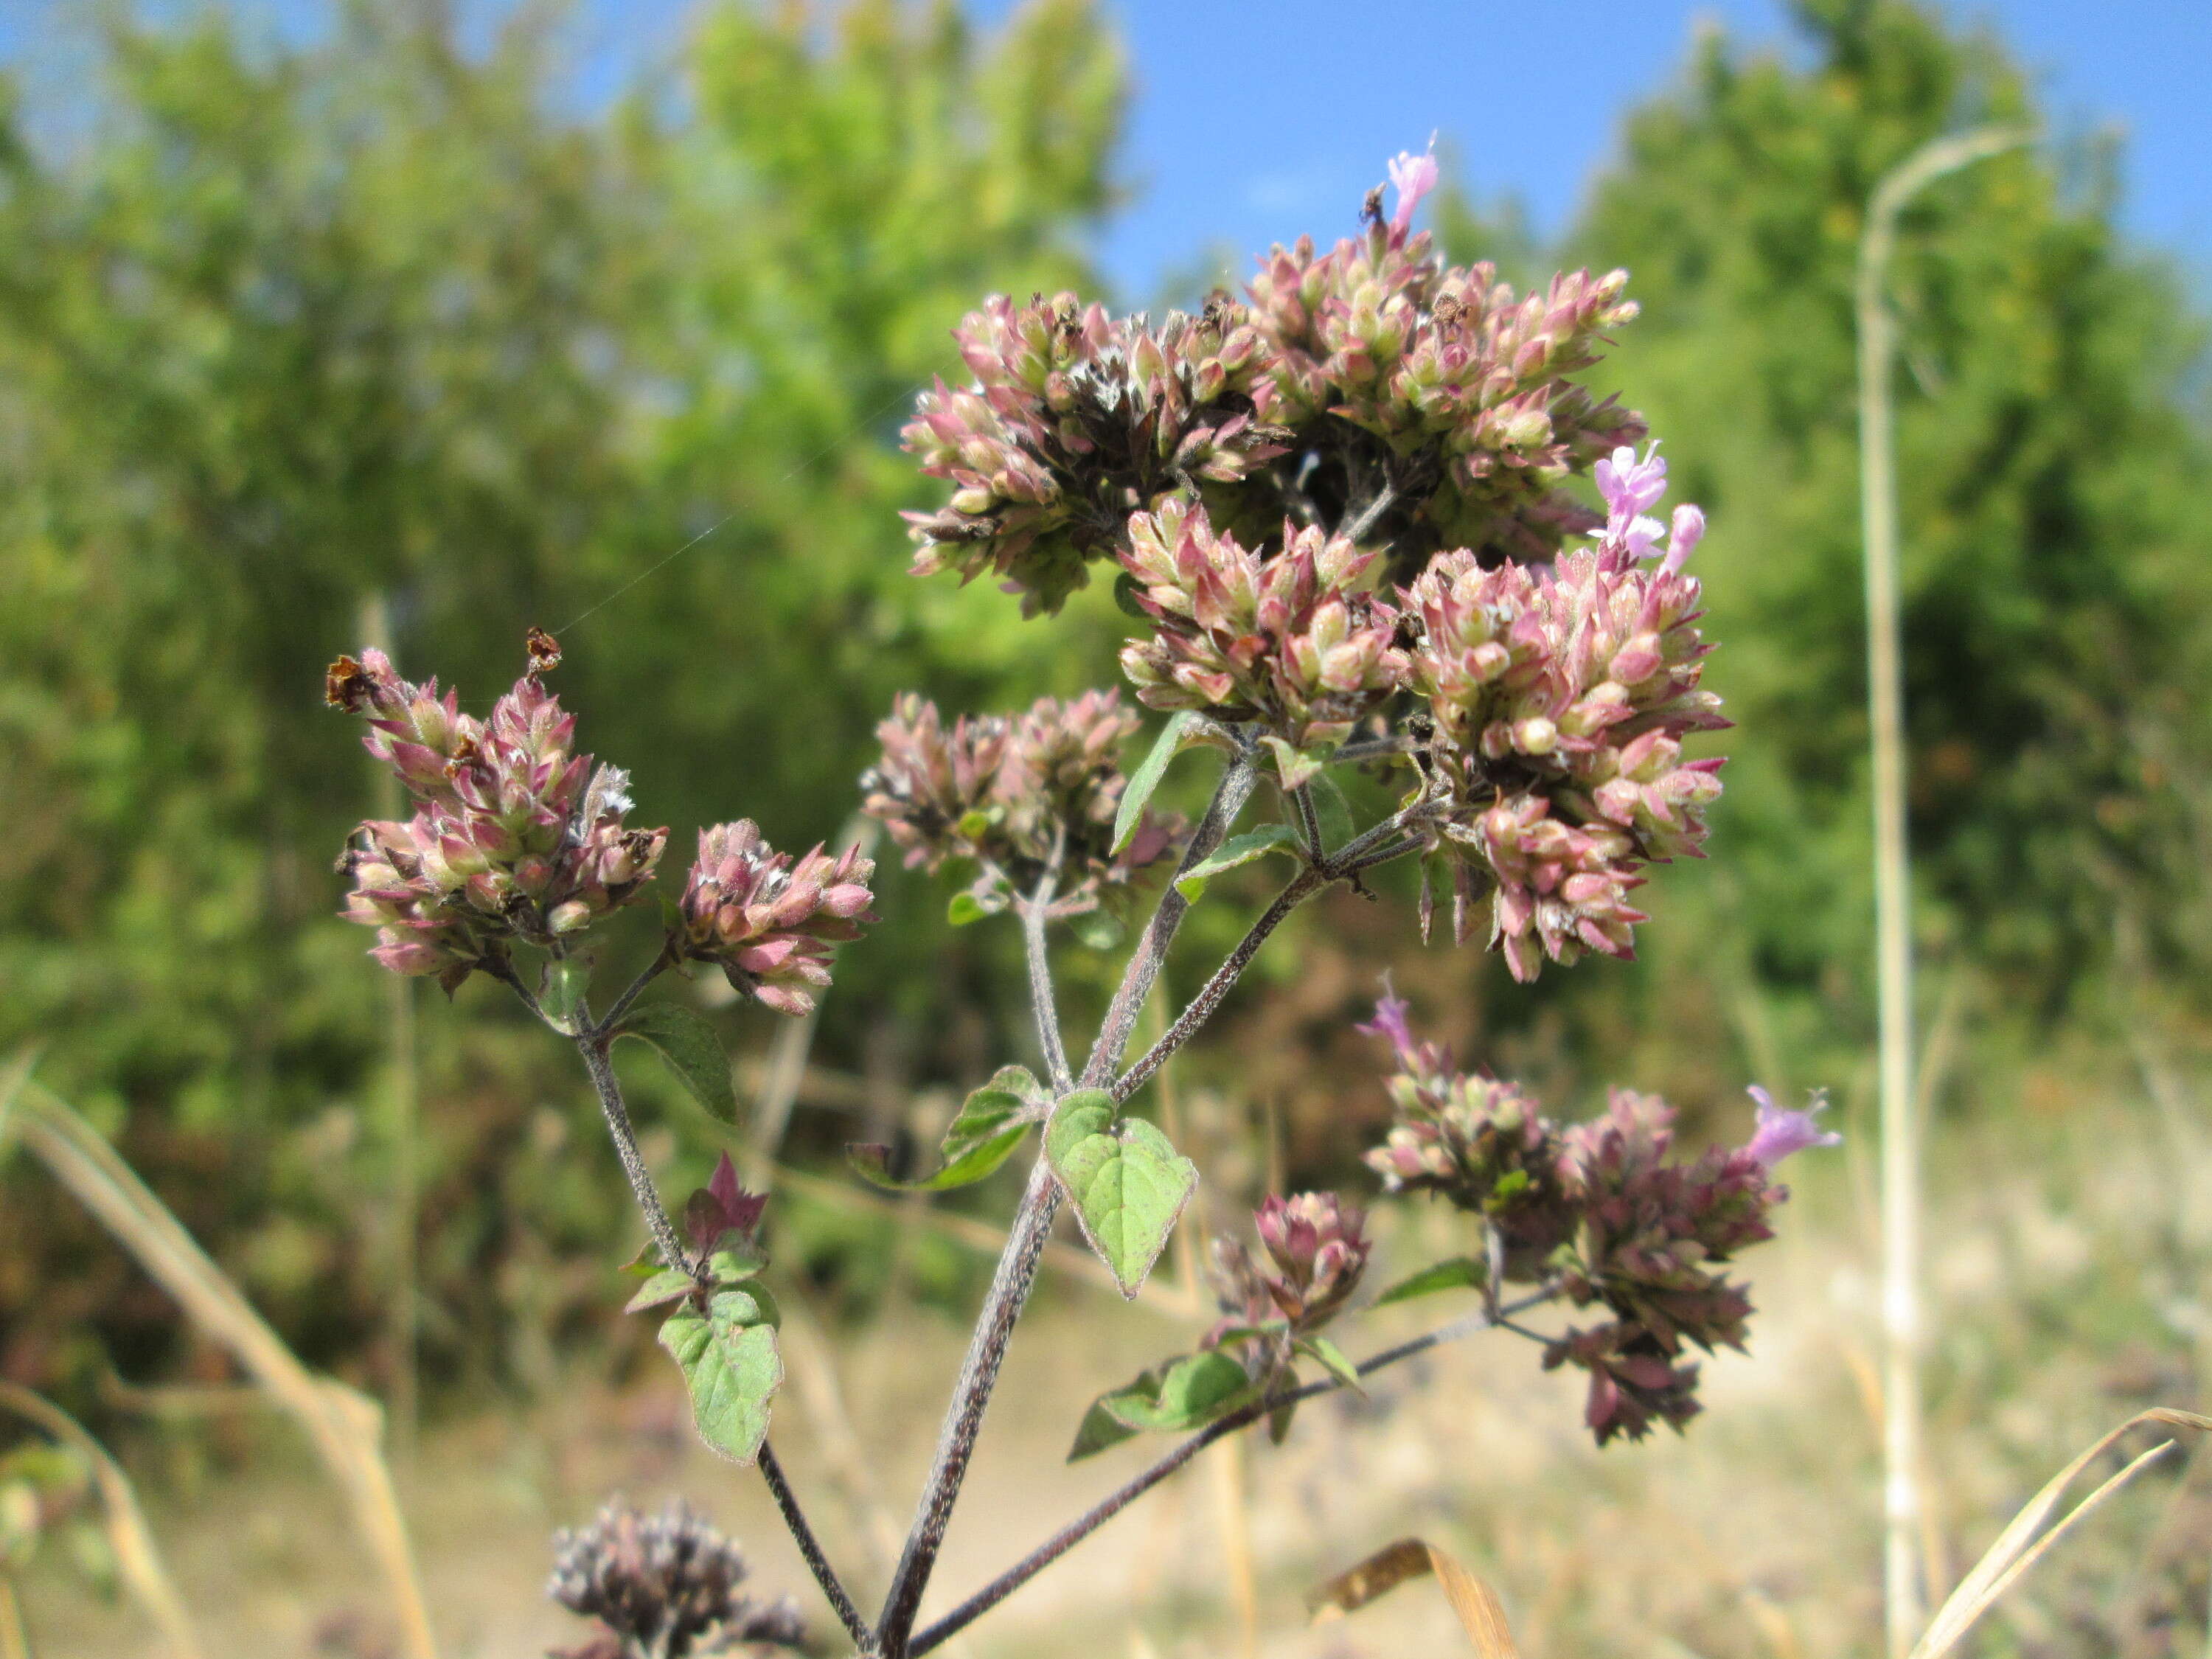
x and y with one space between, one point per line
2063 1296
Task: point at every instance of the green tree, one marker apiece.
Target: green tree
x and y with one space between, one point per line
292 328
2058 570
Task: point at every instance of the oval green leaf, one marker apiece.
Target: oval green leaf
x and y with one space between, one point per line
990 1124
1127 1182
693 1052
1237 849
731 1368
1146 778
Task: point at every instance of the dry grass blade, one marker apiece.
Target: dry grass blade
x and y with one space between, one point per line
15 1642
2018 1547
12 1080
137 1560
1479 1613
343 1426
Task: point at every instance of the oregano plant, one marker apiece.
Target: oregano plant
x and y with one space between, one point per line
1346 515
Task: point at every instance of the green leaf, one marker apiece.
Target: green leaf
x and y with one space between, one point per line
731 1367
990 1124
1099 1429
1186 1393
1460 1273
1173 1396
1126 589
1146 778
1237 849
664 1287
1298 766
965 909
978 822
1100 930
734 1260
693 1052
561 992
1333 1361
1127 1182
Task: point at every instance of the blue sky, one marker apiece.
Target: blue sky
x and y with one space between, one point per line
1257 119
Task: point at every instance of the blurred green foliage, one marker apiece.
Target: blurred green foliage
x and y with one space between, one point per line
293 331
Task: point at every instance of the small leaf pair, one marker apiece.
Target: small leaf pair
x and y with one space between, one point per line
990 1124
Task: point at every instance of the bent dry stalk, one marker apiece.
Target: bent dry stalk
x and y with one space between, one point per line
1435 609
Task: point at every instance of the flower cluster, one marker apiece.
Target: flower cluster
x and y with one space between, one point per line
1318 1246
1292 641
663 1584
1342 504
1560 700
1370 374
1075 421
1457 386
513 837
1602 1210
769 924
1018 794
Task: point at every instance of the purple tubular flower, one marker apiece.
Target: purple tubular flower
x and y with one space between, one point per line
1782 1132
1412 177
1390 1022
1628 485
770 925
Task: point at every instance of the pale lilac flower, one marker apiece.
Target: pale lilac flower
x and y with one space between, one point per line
1390 1020
1629 485
1780 1133
1412 177
1689 529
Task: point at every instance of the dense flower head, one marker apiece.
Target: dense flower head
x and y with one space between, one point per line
1017 795
1484 1144
513 837
1073 422
1346 506
1560 700
1604 1211
771 923
1380 358
1634 1380
664 1584
1294 641
1319 1245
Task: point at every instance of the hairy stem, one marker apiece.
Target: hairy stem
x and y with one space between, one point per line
1151 952
594 1051
1309 821
1036 912
653 969
1111 1505
794 1518
964 1417
1304 886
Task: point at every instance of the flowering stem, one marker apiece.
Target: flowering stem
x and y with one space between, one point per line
794 1518
1229 799
1307 883
1035 913
653 969
963 1417
1308 823
1111 1505
594 1051
1018 1262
